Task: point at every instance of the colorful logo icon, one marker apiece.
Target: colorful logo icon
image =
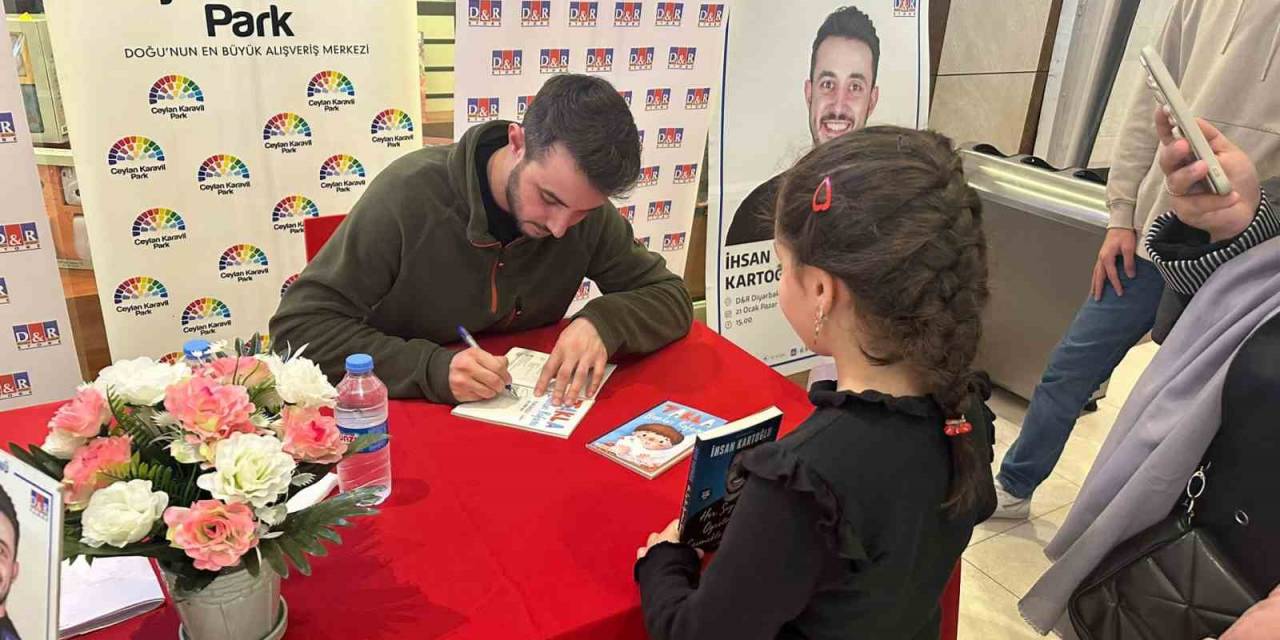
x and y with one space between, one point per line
39 505
673 241
554 60
175 88
599 60
289 213
341 172
15 385
641 59
135 156
711 15
173 357
224 174
626 14
288 282
8 131
37 335
331 91
643 241
242 263
4 292
204 316
905 8
175 96
685 173
697 98
22 236
641 132
658 99
626 95
484 13
330 83
158 228
583 14
507 62
141 296
584 291
648 176
670 137
628 212
482 109
682 57
535 13
286 133
669 14
392 128
659 210
522 106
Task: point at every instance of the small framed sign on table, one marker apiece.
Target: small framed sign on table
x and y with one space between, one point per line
30 551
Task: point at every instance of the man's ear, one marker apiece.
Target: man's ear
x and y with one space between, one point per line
515 140
808 92
871 105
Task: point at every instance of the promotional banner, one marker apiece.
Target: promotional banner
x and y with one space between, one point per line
832 68
665 58
38 361
204 135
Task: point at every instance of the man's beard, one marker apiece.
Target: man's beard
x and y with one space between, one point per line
513 202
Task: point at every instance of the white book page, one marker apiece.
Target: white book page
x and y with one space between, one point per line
526 410
110 591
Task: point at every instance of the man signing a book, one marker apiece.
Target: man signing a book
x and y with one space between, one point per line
493 233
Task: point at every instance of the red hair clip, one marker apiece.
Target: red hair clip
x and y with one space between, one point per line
957 427
822 196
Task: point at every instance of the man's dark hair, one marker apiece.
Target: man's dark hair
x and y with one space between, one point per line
8 512
849 22
593 122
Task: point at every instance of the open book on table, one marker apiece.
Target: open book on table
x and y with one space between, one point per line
526 410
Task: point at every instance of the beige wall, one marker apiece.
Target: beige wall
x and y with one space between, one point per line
991 70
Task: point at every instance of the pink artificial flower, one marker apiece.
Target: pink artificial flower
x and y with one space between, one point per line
208 410
213 533
310 436
86 472
249 372
83 415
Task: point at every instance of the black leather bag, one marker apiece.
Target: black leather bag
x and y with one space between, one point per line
1169 582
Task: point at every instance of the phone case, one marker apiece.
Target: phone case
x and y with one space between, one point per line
1167 94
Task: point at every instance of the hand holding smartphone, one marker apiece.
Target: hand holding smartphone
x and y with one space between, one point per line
1167 94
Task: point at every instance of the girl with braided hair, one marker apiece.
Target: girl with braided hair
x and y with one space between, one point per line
850 526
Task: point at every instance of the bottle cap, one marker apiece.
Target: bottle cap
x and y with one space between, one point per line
195 348
359 363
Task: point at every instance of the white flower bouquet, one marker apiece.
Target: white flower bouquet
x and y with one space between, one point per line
193 467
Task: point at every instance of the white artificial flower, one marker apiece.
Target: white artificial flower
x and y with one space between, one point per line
300 381
141 381
249 468
185 452
122 513
61 444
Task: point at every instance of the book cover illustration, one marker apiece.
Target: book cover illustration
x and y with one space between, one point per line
524 409
717 476
657 439
31 516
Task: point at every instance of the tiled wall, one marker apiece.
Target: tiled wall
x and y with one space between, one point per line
991 71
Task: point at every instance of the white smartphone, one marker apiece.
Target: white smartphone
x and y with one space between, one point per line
1167 94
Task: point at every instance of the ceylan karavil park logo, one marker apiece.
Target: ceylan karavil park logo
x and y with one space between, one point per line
175 96
286 133
135 156
141 296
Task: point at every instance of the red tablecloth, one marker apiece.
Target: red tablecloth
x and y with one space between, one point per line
493 532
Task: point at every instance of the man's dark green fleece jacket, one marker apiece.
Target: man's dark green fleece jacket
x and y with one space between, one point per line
415 259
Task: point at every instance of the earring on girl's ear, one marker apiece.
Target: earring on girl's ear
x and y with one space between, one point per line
817 324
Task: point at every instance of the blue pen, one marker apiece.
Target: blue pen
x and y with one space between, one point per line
471 342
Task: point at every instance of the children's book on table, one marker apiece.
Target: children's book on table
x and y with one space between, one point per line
657 439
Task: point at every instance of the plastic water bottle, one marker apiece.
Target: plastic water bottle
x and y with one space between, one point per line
196 352
362 409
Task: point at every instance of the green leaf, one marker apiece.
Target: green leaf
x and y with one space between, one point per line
363 442
301 534
251 563
40 459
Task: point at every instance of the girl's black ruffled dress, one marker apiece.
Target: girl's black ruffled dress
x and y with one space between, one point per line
839 533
